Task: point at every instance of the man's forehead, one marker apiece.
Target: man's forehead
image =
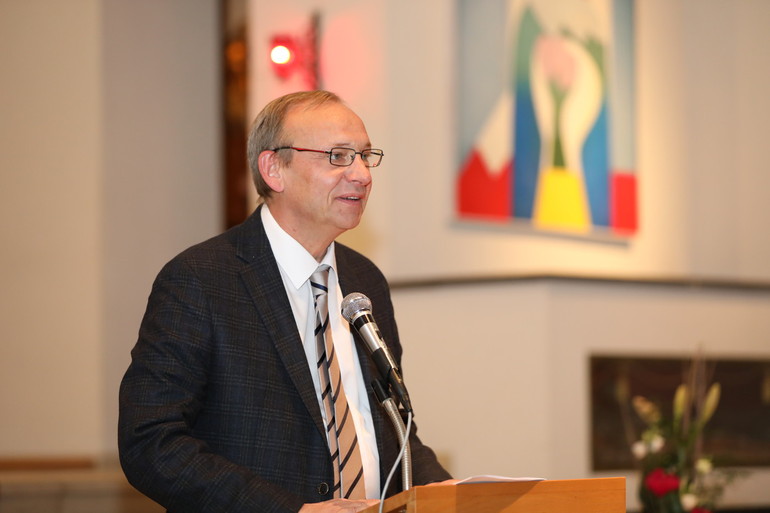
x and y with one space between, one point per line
310 109
327 116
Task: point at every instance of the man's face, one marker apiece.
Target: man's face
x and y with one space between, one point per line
320 201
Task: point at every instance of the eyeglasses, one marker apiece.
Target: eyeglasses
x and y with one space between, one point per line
344 156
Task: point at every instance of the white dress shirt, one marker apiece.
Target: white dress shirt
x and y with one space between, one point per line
296 266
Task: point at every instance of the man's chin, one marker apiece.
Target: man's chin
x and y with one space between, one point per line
347 224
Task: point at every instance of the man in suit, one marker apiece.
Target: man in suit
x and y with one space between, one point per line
222 407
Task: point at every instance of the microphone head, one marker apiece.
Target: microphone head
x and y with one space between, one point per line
353 303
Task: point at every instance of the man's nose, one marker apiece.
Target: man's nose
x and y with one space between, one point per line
358 171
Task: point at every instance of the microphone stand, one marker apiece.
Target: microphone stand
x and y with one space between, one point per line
398 423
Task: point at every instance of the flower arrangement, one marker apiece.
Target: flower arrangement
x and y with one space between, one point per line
676 476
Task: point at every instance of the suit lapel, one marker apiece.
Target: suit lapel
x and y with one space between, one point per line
262 279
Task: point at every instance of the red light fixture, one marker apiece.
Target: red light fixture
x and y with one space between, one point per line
284 56
291 54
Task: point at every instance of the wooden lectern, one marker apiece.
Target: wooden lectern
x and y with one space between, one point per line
601 495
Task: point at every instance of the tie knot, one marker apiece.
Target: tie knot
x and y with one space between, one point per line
319 281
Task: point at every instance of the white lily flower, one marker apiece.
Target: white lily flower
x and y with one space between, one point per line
657 443
639 449
689 501
704 466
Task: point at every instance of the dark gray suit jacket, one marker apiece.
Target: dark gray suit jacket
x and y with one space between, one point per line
217 409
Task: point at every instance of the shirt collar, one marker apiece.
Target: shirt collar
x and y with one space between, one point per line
295 261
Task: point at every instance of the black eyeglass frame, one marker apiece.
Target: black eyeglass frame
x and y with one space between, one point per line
370 151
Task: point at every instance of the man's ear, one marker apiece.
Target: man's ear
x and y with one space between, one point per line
271 170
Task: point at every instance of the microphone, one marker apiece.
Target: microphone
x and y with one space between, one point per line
357 310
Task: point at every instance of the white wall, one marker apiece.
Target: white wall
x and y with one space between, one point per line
162 174
725 112
51 214
110 164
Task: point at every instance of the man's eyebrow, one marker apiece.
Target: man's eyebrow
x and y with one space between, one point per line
348 144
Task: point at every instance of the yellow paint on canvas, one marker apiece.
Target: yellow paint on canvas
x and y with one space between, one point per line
561 201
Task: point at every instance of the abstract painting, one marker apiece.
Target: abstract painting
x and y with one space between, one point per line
554 148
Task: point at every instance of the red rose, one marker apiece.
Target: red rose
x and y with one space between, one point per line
660 483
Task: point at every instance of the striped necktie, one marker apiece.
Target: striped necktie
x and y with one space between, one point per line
340 429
